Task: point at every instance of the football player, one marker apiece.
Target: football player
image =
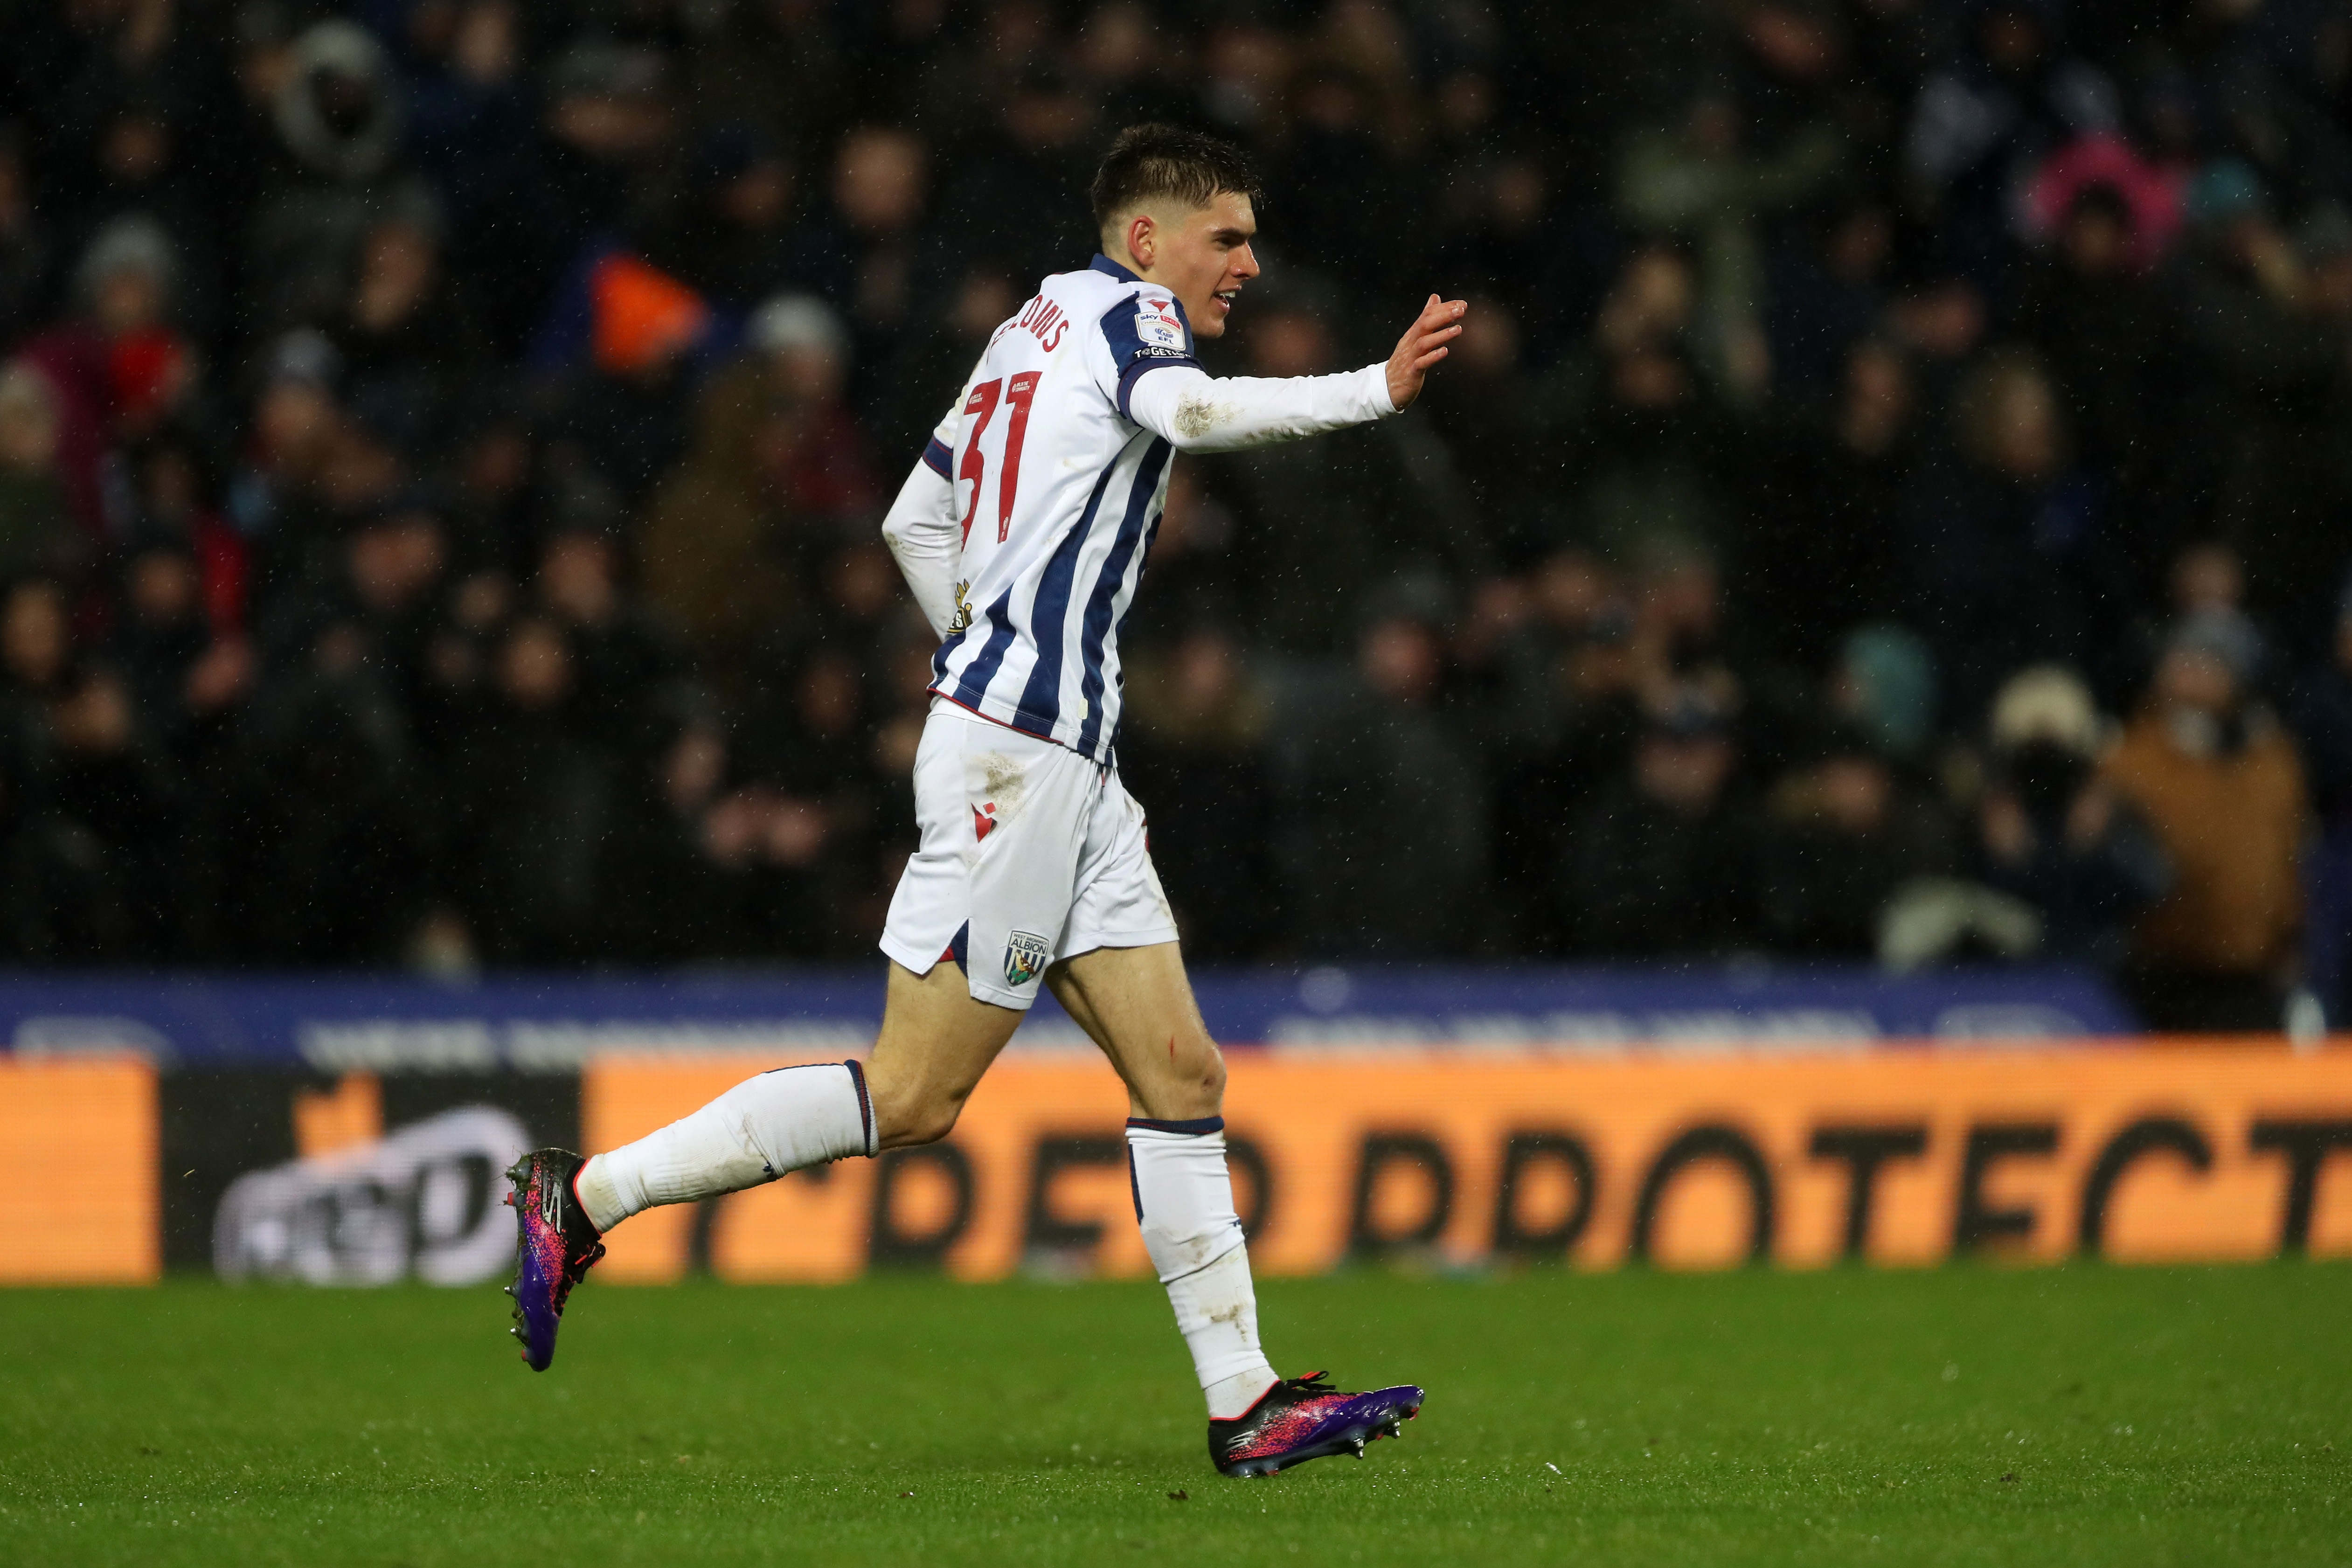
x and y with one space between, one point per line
1021 532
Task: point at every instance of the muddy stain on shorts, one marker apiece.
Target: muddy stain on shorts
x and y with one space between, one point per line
1002 782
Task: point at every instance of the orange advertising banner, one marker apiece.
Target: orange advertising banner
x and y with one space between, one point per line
2141 1153
78 1142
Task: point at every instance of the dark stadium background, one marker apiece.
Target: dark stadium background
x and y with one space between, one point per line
1891 499
1824 739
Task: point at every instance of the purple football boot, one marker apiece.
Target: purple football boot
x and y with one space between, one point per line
1303 1418
559 1246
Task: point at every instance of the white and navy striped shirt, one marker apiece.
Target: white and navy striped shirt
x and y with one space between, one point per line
1023 530
1058 493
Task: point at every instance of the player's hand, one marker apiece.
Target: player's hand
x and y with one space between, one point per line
1423 345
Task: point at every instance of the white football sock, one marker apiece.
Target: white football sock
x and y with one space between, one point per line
762 1129
1184 1201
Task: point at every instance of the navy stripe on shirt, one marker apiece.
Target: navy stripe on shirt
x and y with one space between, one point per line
1096 631
971 690
936 455
1136 372
939 659
1131 356
1041 699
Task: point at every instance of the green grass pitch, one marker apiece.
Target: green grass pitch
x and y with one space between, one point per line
1977 1416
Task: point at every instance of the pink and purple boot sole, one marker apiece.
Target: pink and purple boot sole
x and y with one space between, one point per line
1301 1419
557 1246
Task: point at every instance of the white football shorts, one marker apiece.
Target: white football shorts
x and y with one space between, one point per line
1030 854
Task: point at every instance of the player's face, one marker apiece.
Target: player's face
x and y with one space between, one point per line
1202 257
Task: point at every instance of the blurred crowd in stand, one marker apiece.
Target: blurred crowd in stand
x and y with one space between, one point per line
1893 500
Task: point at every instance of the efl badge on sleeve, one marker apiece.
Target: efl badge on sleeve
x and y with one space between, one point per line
1025 954
1156 326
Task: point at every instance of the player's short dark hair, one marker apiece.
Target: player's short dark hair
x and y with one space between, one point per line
1150 161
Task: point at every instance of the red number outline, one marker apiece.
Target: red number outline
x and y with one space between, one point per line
981 401
1017 395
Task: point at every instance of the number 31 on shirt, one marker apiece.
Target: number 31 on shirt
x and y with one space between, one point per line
978 409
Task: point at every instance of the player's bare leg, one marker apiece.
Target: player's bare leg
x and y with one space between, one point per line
1138 1005
936 1042
1135 1002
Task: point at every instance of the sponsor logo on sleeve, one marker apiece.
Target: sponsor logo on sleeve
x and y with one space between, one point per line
1156 326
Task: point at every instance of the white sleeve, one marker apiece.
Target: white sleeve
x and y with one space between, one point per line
1195 412
920 530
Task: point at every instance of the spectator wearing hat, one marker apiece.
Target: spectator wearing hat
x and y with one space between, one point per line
2204 583
2218 780
820 459
337 165
2054 835
133 127
117 368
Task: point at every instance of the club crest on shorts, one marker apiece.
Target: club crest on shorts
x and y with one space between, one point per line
1025 957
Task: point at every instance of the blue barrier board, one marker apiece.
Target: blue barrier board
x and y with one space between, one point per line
552 1023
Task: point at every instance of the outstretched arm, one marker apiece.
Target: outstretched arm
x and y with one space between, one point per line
1195 412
